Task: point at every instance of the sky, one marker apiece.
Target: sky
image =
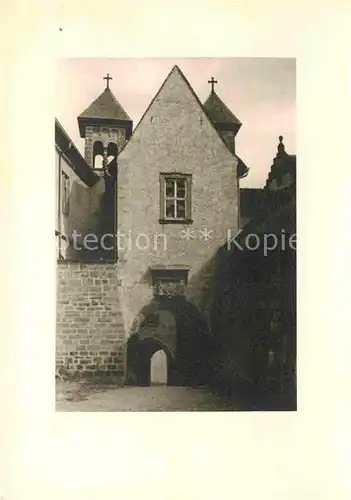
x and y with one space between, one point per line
261 92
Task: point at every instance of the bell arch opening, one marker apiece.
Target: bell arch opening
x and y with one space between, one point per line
112 152
98 152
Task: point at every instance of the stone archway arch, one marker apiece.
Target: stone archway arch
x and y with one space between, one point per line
142 315
182 331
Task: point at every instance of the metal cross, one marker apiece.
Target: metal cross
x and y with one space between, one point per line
212 82
108 77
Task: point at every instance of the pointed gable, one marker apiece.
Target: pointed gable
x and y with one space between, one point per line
177 101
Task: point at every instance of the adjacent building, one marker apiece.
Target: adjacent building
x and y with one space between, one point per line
255 307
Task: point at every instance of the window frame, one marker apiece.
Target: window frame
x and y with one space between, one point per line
187 198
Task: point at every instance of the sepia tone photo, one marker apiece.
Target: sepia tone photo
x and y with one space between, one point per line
176 234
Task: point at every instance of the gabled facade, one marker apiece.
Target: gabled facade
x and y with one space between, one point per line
175 147
177 196
168 198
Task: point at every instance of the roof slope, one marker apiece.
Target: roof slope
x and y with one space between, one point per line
271 210
106 106
218 112
258 204
78 163
252 203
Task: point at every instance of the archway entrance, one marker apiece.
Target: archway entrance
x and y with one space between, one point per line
175 327
148 361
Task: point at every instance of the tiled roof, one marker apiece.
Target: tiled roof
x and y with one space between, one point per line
218 112
252 202
78 164
259 204
277 211
106 106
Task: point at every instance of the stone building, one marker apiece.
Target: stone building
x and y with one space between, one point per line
255 306
149 210
150 287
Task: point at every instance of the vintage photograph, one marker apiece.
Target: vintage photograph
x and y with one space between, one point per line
176 234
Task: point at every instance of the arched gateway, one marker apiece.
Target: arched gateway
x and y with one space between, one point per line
176 328
140 353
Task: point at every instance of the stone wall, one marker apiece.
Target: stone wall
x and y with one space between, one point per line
90 329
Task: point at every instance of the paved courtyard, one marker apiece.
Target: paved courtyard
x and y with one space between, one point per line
72 396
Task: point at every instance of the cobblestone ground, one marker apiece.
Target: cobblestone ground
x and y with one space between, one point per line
77 397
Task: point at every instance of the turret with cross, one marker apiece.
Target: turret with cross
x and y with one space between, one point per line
105 126
221 116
